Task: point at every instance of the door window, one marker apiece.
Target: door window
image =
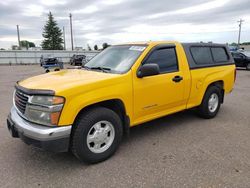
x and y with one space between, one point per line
165 58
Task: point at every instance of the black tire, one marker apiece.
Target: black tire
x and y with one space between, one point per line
84 124
203 109
248 66
47 70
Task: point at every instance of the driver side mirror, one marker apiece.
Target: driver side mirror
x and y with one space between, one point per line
148 70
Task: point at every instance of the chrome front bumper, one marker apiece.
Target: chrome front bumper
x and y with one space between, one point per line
48 138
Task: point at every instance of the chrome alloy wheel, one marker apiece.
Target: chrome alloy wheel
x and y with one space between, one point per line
100 136
213 102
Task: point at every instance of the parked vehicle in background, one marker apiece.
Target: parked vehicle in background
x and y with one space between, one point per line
88 110
72 59
50 62
233 48
77 60
242 59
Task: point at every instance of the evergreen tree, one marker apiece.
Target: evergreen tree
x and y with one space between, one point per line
52 35
95 47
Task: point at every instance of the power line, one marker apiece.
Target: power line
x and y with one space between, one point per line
240 24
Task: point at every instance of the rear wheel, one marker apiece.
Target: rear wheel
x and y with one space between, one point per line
210 103
97 134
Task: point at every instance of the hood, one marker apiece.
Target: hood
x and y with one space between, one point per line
60 81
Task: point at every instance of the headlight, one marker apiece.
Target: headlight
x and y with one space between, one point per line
44 110
46 100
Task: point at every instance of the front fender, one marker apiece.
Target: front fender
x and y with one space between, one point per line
75 103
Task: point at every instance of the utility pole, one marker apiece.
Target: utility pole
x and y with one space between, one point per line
240 23
71 32
64 43
18 36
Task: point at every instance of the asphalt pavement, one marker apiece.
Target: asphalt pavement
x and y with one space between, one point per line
181 150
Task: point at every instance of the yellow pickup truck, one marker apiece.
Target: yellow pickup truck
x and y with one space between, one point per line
88 110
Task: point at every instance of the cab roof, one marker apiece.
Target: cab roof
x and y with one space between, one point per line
148 43
153 43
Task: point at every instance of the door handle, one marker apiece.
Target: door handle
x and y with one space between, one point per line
177 78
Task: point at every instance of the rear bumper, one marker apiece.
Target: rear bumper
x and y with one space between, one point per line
48 138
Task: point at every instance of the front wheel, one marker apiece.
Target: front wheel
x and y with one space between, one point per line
96 135
210 103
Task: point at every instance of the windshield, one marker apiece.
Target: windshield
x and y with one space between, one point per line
116 59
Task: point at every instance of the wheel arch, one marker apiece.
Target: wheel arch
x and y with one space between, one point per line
219 84
115 105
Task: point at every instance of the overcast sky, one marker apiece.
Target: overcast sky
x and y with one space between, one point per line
116 21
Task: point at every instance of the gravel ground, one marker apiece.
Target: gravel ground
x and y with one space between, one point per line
180 150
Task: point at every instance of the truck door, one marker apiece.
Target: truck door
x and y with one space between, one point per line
160 94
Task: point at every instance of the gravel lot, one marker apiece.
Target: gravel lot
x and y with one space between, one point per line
180 150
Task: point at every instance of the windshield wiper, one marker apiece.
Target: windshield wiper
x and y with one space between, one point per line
104 69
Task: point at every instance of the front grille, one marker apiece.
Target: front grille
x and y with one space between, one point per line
21 100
